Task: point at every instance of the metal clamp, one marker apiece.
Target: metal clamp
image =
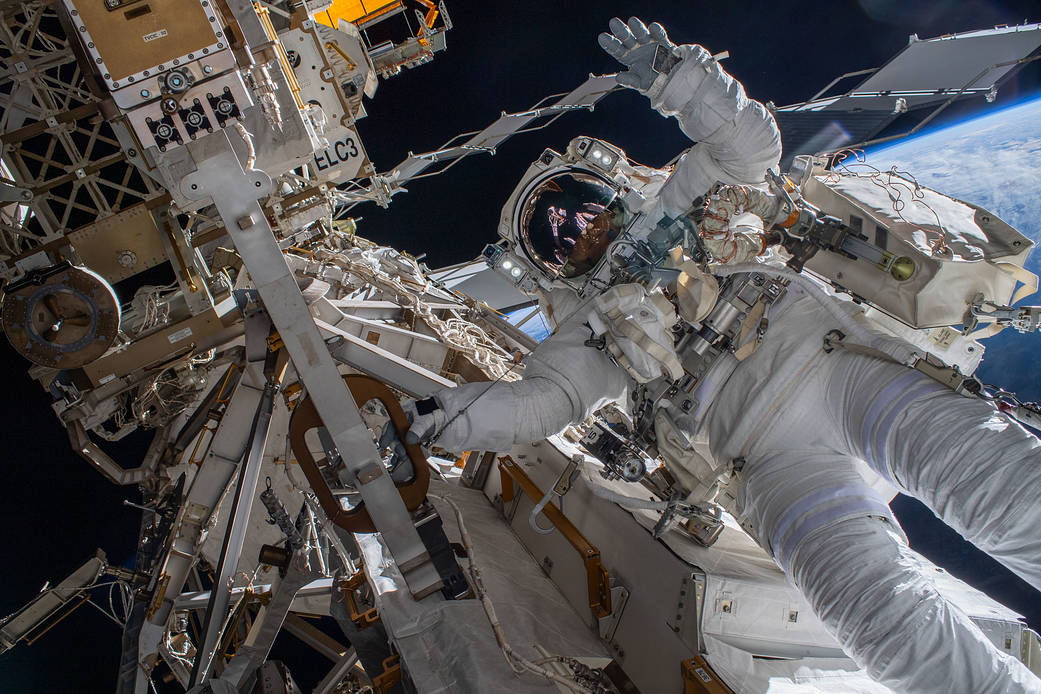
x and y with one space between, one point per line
390 676
363 619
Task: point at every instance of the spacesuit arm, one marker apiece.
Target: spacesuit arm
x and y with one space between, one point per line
564 381
737 138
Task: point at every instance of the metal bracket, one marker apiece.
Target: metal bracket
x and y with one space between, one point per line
686 621
390 676
363 619
700 678
606 626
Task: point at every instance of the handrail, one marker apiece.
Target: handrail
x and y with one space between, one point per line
597 579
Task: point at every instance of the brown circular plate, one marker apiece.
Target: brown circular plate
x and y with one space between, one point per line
63 317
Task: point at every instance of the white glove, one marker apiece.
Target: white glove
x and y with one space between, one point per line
646 51
427 419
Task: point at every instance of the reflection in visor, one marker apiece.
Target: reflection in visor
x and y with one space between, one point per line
568 221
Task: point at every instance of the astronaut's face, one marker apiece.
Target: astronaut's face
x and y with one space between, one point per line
568 223
591 221
598 231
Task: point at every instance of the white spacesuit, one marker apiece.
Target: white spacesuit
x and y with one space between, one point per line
806 428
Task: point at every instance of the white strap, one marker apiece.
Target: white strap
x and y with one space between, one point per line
1020 274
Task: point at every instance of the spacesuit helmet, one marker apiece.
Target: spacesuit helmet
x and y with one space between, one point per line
567 222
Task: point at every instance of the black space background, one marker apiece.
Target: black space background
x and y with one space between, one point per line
502 55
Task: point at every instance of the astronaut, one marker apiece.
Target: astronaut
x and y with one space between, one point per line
804 432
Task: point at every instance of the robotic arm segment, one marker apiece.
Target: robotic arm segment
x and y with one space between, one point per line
1025 319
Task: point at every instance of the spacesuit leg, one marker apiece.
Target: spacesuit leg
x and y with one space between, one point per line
839 544
976 468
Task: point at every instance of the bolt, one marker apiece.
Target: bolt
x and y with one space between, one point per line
207 69
145 93
126 258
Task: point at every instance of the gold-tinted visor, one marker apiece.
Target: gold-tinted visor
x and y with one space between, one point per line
567 222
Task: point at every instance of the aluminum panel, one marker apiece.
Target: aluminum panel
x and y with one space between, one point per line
950 62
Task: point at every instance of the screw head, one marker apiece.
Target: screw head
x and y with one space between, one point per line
145 93
207 69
